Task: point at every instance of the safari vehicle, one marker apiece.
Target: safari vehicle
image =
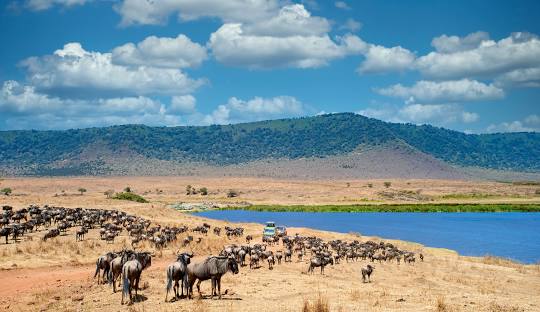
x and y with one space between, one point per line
281 231
270 229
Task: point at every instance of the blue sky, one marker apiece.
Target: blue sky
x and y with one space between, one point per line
472 66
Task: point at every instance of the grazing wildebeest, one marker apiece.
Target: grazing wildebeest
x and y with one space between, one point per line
103 263
367 271
318 262
131 273
249 238
213 268
177 271
52 233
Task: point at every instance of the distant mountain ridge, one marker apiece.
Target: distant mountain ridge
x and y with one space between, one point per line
87 151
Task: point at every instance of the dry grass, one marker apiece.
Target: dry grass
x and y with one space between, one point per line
319 304
441 305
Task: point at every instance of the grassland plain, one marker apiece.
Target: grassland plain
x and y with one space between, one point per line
57 275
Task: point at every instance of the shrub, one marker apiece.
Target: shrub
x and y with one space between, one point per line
232 193
127 189
6 191
537 192
82 190
370 185
130 196
203 191
348 184
387 184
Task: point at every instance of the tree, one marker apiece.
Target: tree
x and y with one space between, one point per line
387 184
232 193
203 191
82 190
109 193
6 191
127 189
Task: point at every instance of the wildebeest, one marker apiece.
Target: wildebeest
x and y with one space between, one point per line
254 261
271 262
213 268
177 271
318 262
79 236
116 265
103 263
6 231
367 271
131 273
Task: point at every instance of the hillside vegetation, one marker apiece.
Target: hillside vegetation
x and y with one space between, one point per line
320 136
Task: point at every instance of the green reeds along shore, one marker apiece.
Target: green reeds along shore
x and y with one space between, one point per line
395 208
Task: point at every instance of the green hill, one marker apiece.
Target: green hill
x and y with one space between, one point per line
320 136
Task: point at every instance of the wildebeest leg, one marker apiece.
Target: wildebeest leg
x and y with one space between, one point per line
199 288
176 289
137 279
103 276
219 287
213 280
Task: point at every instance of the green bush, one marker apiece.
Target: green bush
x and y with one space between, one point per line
203 191
387 184
130 196
6 191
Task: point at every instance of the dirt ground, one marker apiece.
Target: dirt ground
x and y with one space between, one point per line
57 275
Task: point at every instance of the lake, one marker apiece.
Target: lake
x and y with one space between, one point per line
509 235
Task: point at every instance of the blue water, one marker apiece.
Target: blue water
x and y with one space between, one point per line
510 235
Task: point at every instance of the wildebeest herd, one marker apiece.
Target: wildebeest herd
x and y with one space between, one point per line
128 264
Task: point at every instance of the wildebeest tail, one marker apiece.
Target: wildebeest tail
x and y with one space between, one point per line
125 282
169 278
98 265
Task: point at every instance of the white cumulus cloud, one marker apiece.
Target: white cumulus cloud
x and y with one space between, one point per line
22 107
231 46
179 52
74 71
445 91
258 108
380 59
488 59
157 12
437 114
39 5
